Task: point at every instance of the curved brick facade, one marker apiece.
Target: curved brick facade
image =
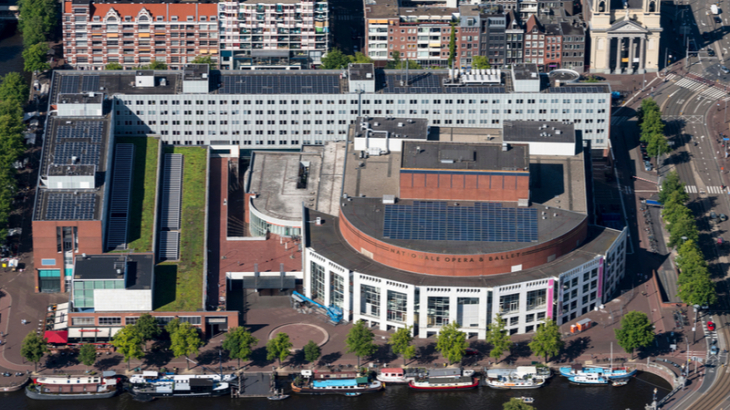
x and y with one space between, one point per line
460 265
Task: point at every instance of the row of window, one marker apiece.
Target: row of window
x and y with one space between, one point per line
365 102
131 320
141 18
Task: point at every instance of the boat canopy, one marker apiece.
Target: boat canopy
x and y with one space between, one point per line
392 370
335 383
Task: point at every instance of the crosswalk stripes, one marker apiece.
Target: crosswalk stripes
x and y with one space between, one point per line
671 76
691 84
690 189
713 93
714 190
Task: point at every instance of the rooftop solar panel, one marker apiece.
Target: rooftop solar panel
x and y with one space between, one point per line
89 83
438 221
69 84
70 206
280 84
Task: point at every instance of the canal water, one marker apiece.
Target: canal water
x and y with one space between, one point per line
11 50
558 394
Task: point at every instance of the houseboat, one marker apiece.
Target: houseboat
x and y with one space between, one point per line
608 372
336 386
73 388
522 377
444 383
165 385
398 375
589 379
448 372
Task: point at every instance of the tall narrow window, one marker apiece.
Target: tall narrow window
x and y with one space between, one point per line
76 239
59 240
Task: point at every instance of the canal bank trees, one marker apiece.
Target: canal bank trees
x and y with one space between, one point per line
37 19
185 341
239 344
279 347
13 94
547 340
636 331
360 341
451 342
401 341
516 404
312 352
128 342
87 355
33 348
499 339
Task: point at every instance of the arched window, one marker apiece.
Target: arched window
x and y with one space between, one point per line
111 19
652 7
602 7
142 18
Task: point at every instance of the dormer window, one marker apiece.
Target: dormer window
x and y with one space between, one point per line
173 18
96 18
202 18
127 19
142 18
190 18
158 18
212 18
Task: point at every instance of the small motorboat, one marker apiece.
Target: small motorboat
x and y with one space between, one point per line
527 399
619 382
278 396
353 394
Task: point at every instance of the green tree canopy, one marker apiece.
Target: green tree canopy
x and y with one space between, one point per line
498 338
684 226
452 44
239 344
36 57
87 354
400 343
451 342
312 352
279 347
360 341
658 145
675 209
516 404
697 289
155 65
636 331
480 63
36 19
360 58
335 59
113 66
205 60
172 326
185 341
148 327
547 340
13 88
33 348
128 342
670 185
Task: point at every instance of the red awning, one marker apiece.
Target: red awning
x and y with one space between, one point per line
56 336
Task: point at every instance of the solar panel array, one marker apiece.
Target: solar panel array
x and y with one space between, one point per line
438 221
69 84
119 200
82 129
280 84
431 84
583 89
89 83
86 154
70 206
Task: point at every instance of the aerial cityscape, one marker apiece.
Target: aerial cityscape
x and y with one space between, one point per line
505 204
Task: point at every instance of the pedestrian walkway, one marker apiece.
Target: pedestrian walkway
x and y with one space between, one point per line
692 189
712 93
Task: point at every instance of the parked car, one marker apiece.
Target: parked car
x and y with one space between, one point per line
723 217
706 35
724 69
713 350
710 52
647 166
711 326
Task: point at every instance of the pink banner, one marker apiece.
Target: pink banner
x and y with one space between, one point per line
551 285
600 280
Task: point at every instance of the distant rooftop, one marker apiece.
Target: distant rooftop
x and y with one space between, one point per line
110 83
460 156
196 72
361 72
75 146
81 98
526 72
394 127
536 131
136 269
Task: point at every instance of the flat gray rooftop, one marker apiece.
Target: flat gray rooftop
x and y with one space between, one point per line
526 72
278 179
110 83
559 182
372 177
359 72
327 241
462 156
402 127
81 98
534 131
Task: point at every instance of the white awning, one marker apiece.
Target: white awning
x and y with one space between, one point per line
90 332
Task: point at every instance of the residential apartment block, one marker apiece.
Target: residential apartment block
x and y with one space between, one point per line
96 33
556 44
265 33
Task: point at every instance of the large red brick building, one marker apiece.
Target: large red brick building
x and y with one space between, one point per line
133 34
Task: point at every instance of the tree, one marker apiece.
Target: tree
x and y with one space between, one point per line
451 342
360 341
185 341
360 58
239 344
36 57
155 65
13 88
114 66
172 326
480 63
670 185
400 343
546 341
205 60
36 19
312 352
335 59
33 348
591 79
148 327
516 404
87 355
128 342
683 227
498 337
636 331
452 44
697 289
279 347
657 146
